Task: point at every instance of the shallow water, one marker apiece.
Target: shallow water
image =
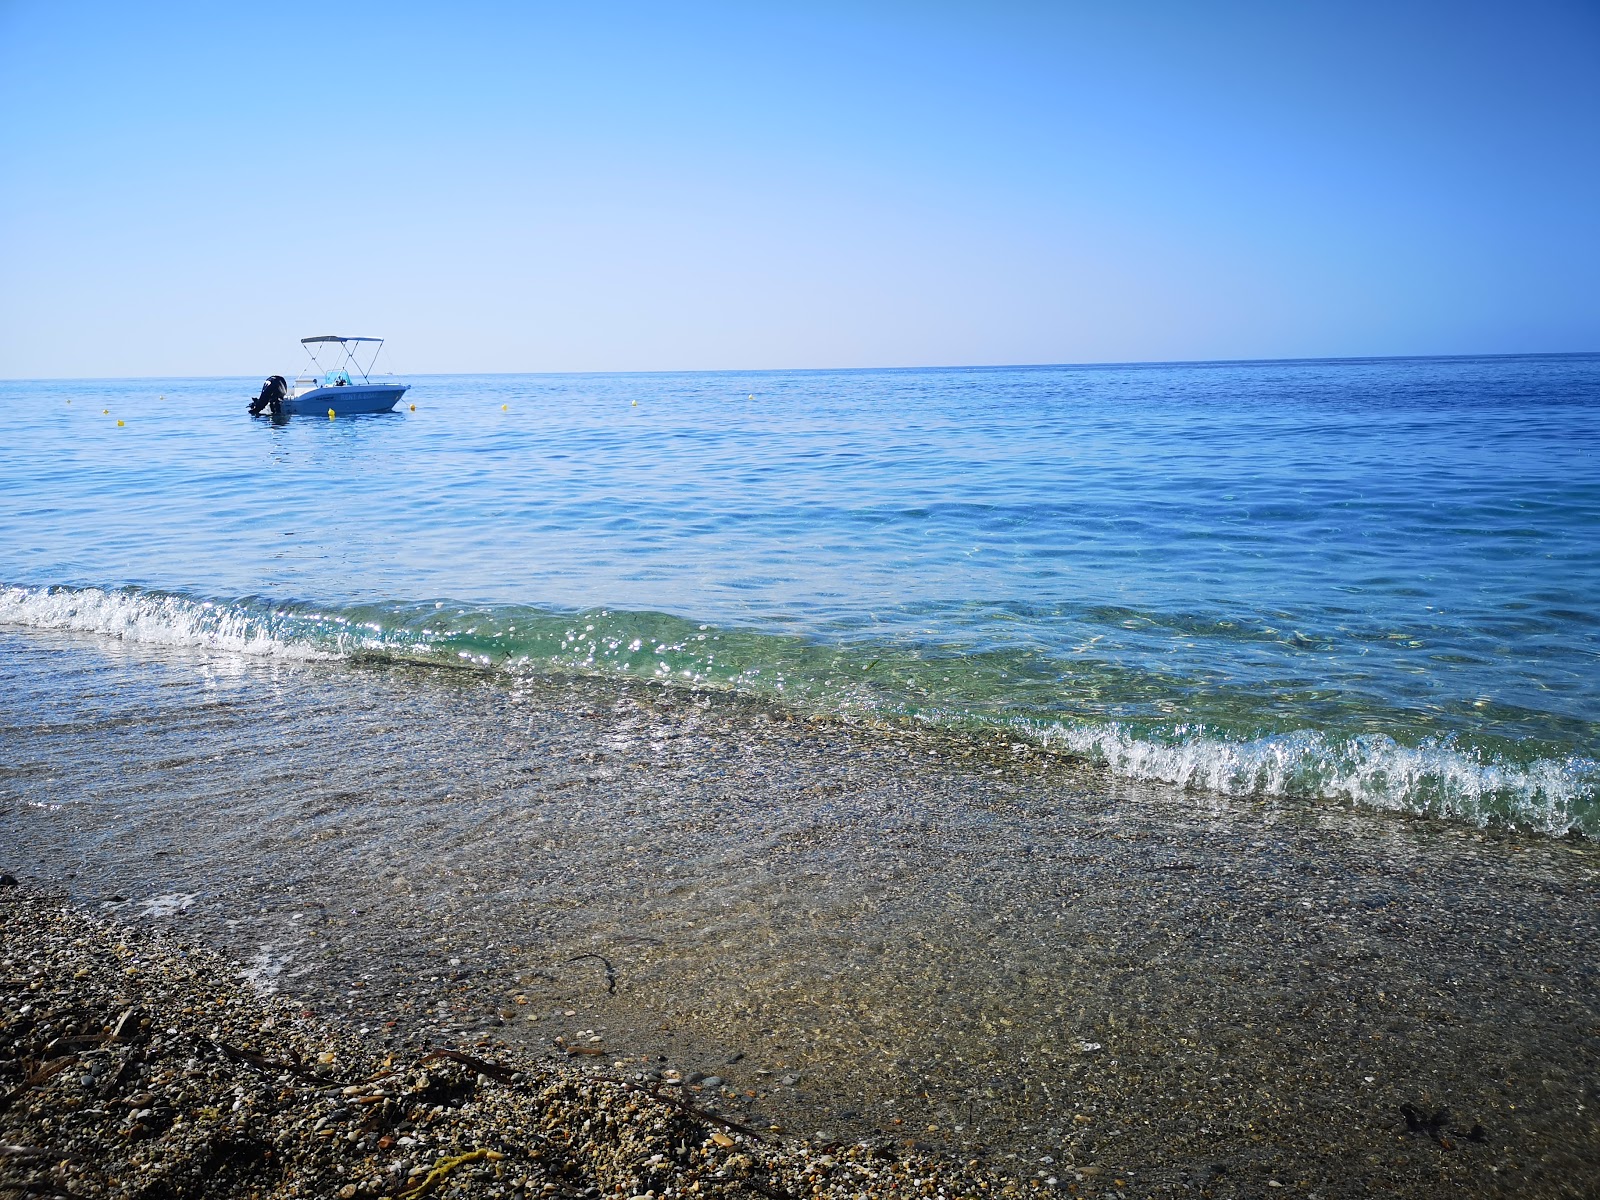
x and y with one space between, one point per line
1364 581
864 932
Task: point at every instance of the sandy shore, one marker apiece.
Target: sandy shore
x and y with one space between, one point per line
132 1065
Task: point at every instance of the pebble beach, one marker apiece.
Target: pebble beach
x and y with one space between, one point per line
132 1065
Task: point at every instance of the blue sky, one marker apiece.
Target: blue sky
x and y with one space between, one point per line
189 188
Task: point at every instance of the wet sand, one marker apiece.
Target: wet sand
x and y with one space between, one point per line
859 934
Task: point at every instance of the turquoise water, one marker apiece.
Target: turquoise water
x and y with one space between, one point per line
1372 582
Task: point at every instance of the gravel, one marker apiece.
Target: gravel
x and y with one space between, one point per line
133 1065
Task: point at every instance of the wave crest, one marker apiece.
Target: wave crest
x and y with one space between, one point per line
150 617
1435 777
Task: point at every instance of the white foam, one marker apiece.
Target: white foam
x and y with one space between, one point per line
264 967
1371 770
148 617
167 905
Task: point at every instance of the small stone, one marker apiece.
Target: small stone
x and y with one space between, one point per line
789 1080
711 1081
348 1191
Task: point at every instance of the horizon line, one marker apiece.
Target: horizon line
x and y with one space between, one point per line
1039 366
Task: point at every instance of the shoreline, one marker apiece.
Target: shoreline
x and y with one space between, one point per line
869 937
1442 772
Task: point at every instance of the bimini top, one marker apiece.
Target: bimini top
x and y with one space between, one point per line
329 337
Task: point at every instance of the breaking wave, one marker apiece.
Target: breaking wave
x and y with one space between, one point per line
1434 777
1532 787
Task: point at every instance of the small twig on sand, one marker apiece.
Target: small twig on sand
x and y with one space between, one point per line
7 1150
128 1014
700 1114
237 1054
37 1076
611 972
482 1066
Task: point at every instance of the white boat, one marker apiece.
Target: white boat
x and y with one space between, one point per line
333 390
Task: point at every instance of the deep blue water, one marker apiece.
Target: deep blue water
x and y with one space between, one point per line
1373 581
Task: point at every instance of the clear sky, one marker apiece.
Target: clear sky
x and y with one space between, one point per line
188 189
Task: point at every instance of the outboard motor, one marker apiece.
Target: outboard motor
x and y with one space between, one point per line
272 393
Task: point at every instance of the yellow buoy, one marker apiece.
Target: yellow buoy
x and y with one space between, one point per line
413 408
105 412
502 408
119 424
752 395
330 414
636 404
160 397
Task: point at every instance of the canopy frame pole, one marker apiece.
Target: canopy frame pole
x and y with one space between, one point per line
348 345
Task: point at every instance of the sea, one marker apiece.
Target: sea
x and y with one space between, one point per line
1168 774
1370 583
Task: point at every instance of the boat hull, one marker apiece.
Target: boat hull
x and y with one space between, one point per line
346 401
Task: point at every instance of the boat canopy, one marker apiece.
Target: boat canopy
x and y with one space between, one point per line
344 354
